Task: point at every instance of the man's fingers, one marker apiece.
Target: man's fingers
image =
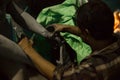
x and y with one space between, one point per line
22 40
31 42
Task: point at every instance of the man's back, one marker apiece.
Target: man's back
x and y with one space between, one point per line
101 65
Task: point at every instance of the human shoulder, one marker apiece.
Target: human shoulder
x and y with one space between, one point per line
97 66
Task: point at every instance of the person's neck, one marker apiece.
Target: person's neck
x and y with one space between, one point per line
99 44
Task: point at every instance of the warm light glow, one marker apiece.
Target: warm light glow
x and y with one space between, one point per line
117 21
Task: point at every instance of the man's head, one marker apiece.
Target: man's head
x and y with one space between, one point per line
96 18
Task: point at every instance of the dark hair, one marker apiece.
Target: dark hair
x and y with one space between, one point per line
97 17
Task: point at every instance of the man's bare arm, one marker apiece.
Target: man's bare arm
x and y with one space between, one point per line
67 28
44 66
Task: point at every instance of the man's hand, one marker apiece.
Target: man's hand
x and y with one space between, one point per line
58 27
25 43
66 28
